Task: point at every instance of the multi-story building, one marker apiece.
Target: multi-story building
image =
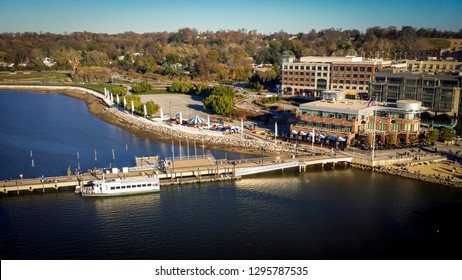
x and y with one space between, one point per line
434 66
312 75
455 45
341 120
440 94
426 54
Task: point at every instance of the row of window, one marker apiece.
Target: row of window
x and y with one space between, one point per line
285 73
132 186
326 126
354 68
349 87
306 67
394 127
435 66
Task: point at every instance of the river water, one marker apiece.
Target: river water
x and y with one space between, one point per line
342 213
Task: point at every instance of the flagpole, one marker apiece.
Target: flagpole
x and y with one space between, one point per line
373 136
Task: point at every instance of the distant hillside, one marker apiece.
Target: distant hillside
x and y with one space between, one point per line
431 43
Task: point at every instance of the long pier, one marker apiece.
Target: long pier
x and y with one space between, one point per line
174 171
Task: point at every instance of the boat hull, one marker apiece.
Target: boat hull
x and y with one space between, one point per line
119 193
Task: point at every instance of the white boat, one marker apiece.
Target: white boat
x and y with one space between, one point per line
116 187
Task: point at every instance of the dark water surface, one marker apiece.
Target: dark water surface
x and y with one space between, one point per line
321 214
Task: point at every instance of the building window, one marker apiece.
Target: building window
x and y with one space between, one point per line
396 126
335 68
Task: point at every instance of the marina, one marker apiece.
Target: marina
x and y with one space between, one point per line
171 171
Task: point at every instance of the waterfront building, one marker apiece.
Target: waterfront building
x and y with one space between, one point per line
339 121
314 74
440 94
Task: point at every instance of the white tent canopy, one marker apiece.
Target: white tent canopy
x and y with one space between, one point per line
196 120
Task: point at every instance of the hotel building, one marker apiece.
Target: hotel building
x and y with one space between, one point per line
312 75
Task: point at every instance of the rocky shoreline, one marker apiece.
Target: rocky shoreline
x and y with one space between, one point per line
441 180
100 107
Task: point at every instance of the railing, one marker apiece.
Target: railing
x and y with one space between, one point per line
266 168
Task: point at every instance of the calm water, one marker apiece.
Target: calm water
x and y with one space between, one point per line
322 214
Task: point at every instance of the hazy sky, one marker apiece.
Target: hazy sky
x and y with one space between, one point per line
266 16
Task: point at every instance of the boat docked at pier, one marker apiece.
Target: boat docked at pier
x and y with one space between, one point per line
117 187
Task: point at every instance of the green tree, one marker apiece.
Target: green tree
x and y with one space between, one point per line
182 87
256 85
137 104
432 135
221 100
448 134
121 91
141 87
152 107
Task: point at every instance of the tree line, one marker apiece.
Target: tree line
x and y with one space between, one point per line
204 56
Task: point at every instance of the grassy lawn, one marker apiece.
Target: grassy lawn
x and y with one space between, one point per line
98 87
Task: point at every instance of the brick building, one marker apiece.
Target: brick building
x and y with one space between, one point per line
312 75
342 120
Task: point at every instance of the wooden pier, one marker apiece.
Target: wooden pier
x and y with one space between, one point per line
173 171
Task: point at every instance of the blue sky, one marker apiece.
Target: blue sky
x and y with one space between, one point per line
265 16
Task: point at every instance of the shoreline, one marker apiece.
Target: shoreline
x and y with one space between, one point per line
141 127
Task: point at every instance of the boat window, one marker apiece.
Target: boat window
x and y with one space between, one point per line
112 188
123 187
138 186
144 185
128 187
117 188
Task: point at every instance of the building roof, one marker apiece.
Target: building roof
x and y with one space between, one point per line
415 75
341 106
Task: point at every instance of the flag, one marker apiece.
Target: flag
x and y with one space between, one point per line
371 103
275 131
